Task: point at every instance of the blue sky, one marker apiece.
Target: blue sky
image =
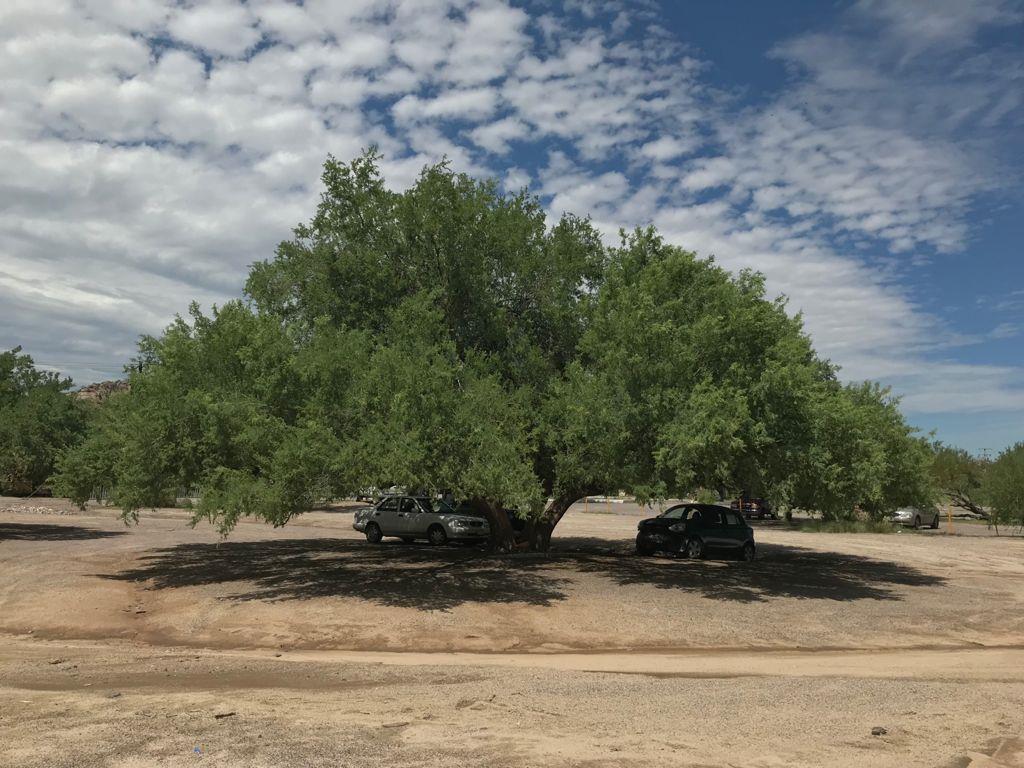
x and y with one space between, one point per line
973 288
865 155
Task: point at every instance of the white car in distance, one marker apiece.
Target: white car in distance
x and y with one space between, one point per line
917 518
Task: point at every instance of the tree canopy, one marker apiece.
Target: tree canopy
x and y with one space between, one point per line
1004 487
37 422
960 476
446 337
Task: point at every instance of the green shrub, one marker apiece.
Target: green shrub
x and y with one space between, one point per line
845 526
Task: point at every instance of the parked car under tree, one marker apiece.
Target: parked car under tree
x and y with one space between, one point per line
418 517
915 517
696 530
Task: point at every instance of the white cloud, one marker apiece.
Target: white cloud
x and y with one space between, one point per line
135 177
926 23
286 21
461 104
338 91
605 96
666 148
1005 331
490 40
955 388
364 49
873 182
1011 302
222 28
495 137
708 173
516 179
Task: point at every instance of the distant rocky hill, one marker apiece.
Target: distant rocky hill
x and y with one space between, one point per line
101 390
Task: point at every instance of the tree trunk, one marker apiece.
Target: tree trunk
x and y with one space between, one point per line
962 501
538 534
539 531
503 537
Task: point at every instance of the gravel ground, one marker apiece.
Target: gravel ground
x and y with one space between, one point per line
121 646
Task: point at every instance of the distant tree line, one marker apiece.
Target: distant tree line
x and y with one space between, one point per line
446 337
993 490
38 421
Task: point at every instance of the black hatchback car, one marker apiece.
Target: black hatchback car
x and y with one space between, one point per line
696 530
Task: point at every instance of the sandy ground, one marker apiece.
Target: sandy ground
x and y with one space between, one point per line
121 646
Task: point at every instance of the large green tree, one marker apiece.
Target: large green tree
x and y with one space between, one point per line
960 476
446 337
1004 487
38 420
863 456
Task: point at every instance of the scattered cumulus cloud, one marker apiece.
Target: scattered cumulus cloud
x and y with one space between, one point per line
220 28
464 103
496 137
150 151
920 24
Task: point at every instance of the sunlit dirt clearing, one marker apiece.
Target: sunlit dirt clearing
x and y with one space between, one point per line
122 645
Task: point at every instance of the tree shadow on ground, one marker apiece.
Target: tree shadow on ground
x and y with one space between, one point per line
778 571
429 578
390 574
39 532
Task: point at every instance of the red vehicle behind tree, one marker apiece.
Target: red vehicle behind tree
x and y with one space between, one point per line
759 508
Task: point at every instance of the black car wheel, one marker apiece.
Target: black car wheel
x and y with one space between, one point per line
749 552
694 548
436 535
373 533
644 547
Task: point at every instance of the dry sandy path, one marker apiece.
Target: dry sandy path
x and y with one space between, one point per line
954 664
118 647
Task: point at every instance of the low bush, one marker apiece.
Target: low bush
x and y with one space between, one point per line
845 526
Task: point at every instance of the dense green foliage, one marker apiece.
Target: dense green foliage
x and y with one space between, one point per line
37 421
960 477
863 455
844 526
1004 487
446 337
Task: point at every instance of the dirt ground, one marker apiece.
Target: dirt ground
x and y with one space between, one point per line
162 645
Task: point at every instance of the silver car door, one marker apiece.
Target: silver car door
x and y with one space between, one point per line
408 514
386 515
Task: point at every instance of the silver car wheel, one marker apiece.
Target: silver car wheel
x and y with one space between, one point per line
436 535
373 533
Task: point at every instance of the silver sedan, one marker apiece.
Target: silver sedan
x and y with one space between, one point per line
917 518
417 517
